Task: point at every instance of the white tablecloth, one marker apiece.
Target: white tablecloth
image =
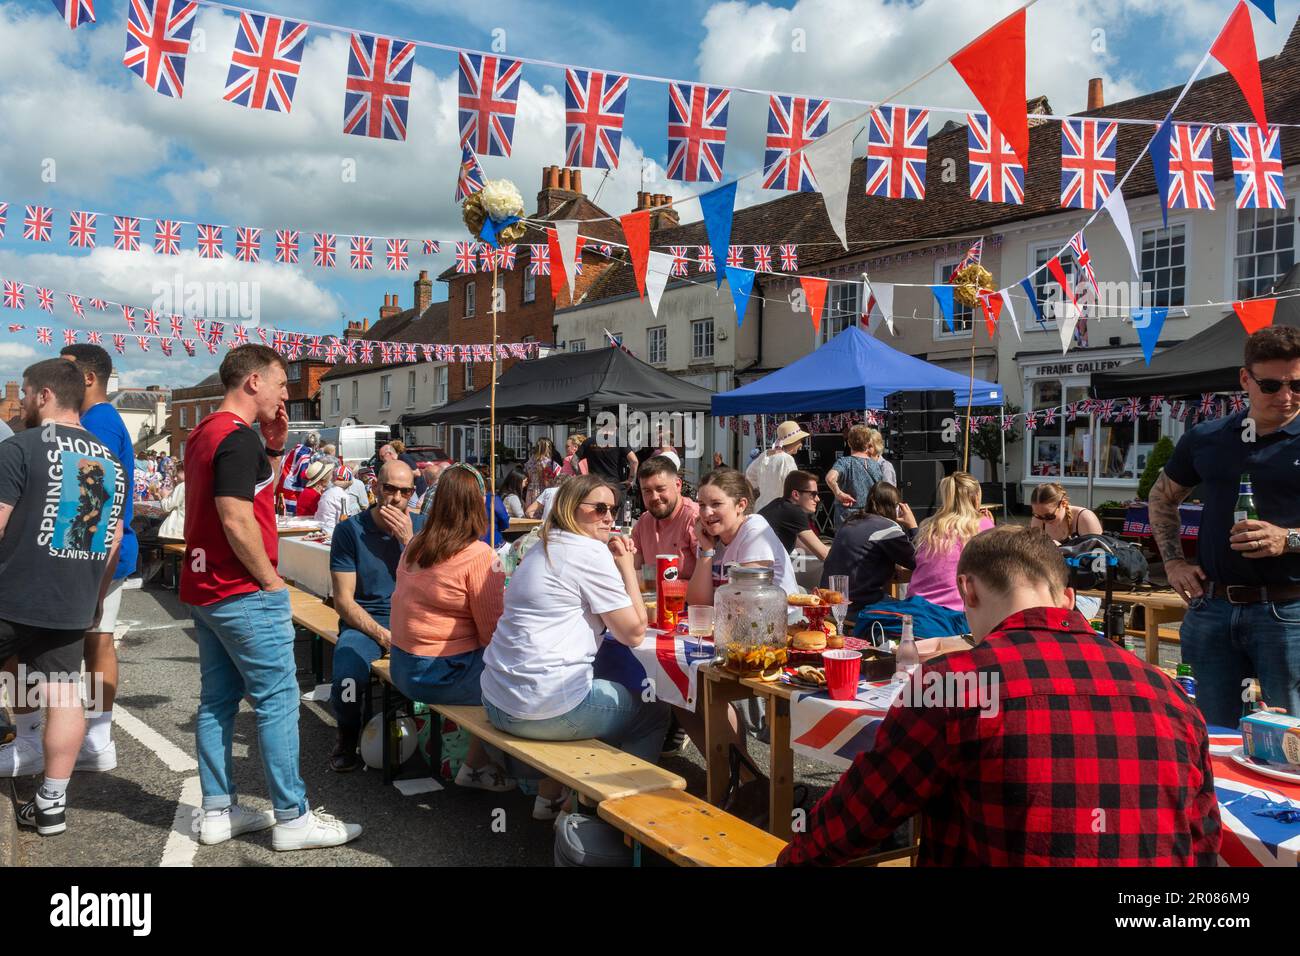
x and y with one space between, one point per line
306 564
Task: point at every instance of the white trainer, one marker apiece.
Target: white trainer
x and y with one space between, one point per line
488 777
219 829
97 761
322 830
22 758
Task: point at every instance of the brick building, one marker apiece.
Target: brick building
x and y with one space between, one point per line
11 406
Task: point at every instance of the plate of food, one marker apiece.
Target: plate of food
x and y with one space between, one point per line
805 675
1276 771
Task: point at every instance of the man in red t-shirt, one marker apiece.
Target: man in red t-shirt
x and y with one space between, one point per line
241 606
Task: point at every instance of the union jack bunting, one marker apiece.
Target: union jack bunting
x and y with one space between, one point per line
606 250
973 257
735 257
397 255
126 233
265 63
324 247
286 245
762 258
1251 836
143 342
680 263
241 335
69 336
81 230
150 322
594 104
200 328
996 174
119 342
793 122
379 87
1132 409
1257 167
37 223
1087 162
1031 421
1049 417
213 345
95 338
1153 408
77 307
178 326
704 255
99 304
15 298
470 179
129 315
489 94
188 345
1191 167
1071 411
43 335
158 42
1209 406
279 341
1236 402
314 346
897 142
248 244
166 237
697 132
505 257
166 346
432 247
210 242
539 259
76 12
485 256
4 217
367 352
1107 409
45 299
467 258
789 257
1083 261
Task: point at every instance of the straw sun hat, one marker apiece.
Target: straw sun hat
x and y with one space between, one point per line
787 433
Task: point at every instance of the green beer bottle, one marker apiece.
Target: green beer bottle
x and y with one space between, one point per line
1245 509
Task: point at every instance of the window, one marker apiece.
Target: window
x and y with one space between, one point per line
469 298
1164 266
334 398
578 345
183 416
410 389
440 385
530 287
841 311
385 391
1265 248
182 455
1061 447
963 316
295 372
469 375
516 439
702 339
657 345
356 395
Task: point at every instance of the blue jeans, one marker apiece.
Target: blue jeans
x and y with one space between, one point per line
610 713
246 650
1227 643
451 681
353 655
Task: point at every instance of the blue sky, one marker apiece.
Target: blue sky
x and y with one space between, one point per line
84 133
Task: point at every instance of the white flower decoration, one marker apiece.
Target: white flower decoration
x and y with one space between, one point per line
501 199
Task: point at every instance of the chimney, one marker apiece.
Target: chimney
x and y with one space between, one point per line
423 293
577 181
1096 99
390 307
11 391
665 217
566 179
551 177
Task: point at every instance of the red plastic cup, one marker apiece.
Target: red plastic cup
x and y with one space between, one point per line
843 670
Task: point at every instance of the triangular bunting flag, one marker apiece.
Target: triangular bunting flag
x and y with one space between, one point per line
566 236
1148 323
1235 49
1268 7
1005 295
1118 210
636 229
718 207
831 159
1054 267
884 296
1255 314
1159 151
741 282
1032 294
557 267
944 294
991 303
993 66
814 291
658 267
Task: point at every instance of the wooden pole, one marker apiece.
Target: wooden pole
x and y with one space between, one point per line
492 414
970 400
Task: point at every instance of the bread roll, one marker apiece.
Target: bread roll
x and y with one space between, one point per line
810 641
835 642
804 600
829 596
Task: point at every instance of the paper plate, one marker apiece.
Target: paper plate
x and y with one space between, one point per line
1267 770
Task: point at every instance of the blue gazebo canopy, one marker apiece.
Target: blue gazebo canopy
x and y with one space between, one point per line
853 370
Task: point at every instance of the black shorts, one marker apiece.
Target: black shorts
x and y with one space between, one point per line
43 650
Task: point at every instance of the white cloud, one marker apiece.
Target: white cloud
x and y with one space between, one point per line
15 352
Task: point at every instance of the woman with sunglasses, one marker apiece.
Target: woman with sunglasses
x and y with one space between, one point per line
1051 511
537 671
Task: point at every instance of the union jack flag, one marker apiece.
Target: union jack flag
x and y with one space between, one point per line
178 326
1071 411
15 298
1209 406
1087 162
1250 838
279 341
286 245
213 345
432 247
1031 421
1257 167
539 260
467 258
81 231
126 233
1191 166
793 122
241 335
158 42
4 217
1132 410
1236 402
505 257
489 94
150 322
210 242
697 132
1153 407
397 255
1107 409
119 342
1049 417
95 338
996 174
45 299
706 266
897 141
735 257
789 257
77 307
485 256
973 256
471 178
200 328
76 12
129 315
314 346
166 346
248 244
188 345
167 237
379 87
680 265
762 258
265 63
367 351
43 335
69 336
37 223
325 249
143 342
361 250
594 103
1083 260
99 304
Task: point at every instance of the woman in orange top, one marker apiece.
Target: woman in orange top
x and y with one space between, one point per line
449 594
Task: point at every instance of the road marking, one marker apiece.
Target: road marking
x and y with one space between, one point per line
176 759
182 841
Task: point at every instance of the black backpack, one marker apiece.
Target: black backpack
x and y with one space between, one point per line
1087 556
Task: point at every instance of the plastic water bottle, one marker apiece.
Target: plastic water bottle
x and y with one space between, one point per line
909 658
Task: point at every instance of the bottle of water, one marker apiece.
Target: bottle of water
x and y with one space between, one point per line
909 659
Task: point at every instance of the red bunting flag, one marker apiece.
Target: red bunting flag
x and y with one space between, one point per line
814 290
1235 49
991 303
993 66
636 229
1255 314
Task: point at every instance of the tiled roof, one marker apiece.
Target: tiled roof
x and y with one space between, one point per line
428 329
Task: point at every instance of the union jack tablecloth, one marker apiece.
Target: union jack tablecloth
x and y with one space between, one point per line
676 680
1250 840
836 731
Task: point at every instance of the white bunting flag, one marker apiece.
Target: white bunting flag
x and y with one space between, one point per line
659 267
1010 311
1115 205
884 294
831 159
566 236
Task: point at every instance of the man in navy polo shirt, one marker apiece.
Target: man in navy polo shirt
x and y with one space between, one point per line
1243 614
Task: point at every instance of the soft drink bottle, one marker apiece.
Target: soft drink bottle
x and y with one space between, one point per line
909 658
1186 680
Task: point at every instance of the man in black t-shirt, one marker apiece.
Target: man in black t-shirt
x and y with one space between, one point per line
791 515
604 457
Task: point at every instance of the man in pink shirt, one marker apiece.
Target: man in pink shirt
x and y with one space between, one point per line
668 524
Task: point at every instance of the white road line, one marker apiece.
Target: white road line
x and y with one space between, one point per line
166 751
182 841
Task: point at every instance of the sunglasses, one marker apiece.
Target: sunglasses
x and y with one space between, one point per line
1044 518
599 507
398 490
811 491
1271 386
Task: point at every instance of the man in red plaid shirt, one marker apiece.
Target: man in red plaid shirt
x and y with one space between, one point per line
1083 755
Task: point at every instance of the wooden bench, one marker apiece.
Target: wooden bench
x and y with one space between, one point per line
173 554
318 619
688 831
1158 607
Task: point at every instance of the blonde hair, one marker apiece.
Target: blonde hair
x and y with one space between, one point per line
544 448
957 519
1052 493
859 438
564 510
875 442
577 438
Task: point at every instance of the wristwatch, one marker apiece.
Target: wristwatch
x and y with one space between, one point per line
1293 540
705 552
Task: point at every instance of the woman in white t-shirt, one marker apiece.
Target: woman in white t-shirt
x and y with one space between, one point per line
537 670
728 536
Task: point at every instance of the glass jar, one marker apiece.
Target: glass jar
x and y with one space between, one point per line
749 622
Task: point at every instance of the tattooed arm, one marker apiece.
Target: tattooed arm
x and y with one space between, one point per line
1166 526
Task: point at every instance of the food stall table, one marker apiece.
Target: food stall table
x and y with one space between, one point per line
520 527
1248 839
